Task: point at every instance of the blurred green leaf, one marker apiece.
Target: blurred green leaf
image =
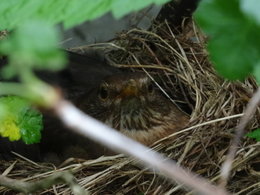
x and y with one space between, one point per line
19 120
71 13
87 10
254 134
121 8
234 43
33 45
14 12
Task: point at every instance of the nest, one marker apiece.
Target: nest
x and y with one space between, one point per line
179 63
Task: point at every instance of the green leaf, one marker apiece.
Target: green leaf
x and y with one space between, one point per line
9 128
19 120
234 44
30 126
33 44
121 8
14 12
71 13
79 13
254 134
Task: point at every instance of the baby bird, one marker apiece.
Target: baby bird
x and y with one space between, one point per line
126 101
130 103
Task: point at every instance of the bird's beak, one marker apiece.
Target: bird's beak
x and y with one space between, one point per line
130 89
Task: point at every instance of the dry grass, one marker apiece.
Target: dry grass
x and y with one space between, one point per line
180 64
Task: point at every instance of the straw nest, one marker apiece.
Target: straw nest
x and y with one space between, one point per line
180 64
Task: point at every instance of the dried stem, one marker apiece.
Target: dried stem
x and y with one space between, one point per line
240 129
31 187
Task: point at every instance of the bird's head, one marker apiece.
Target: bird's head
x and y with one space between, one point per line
126 92
131 103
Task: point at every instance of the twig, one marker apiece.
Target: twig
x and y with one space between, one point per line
161 67
248 188
31 187
197 126
89 127
9 169
249 112
26 159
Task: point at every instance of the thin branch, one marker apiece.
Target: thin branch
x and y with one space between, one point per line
89 127
24 158
161 67
199 125
240 129
32 187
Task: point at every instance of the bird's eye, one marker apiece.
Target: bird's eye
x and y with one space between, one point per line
150 88
103 92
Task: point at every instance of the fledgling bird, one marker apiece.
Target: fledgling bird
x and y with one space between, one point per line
126 101
130 103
